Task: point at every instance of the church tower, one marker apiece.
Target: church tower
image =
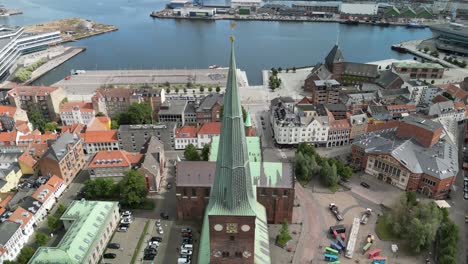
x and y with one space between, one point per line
232 227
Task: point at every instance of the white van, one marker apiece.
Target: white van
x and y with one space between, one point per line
186 252
183 261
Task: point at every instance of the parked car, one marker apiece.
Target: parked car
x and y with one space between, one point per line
126 213
158 239
169 185
365 185
110 255
185 230
114 245
158 222
186 252
187 240
187 246
466 196
151 251
160 230
126 221
164 215
187 234
122 229
153 243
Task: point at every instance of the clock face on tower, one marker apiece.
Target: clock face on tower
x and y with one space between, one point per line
231 228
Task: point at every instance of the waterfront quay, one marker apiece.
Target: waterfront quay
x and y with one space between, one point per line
82 86
167 14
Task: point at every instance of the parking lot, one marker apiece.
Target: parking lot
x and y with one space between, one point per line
128 242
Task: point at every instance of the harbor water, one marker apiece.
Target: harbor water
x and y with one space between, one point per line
146 43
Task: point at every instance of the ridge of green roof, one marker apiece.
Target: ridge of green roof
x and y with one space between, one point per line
248 121
232 192
89 222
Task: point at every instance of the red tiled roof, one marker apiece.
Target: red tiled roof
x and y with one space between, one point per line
100 136
31 90
27 159
82 106
458 105
98 124
305 100
382 126
2 210
8 136
340 124
210 128
54 182
21 216
36 139
186 132
439 98
73 128
114 158
454 91
5 198
7 110
41 194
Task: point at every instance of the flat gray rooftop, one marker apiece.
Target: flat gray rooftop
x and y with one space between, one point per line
85 84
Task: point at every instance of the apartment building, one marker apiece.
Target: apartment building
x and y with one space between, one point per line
76 112
323 91
133 138
10 116
89 225
11 239
64 158
113 164
420 92
44 99
173 111
209 108
186 135
103 140
113 101
417 70
301 123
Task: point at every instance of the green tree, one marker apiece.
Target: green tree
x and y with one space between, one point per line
25 255
202 89
218 89
168 90
426 49
189 85
328 174
176 90
205 154
61 209
191 153
53 223
210 89
294 69
133 189
287 70
284 236
280 69
50 126
115 124
138 113
167 84
37 120
41 239
100 114
100 188
185 90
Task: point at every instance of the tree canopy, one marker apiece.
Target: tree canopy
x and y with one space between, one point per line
415 221
50 126
205 154
41 239
284 236
191 153
138 113
133 189
37 120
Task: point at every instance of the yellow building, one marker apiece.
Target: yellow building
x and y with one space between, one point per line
9 178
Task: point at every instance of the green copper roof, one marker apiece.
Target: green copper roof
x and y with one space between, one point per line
248 121
232 191
253 148
90 219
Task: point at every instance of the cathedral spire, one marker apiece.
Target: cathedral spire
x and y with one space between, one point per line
232 191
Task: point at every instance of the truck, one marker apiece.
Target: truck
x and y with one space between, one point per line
335 211
365 216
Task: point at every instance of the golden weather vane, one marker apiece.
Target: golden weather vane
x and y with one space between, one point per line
232 25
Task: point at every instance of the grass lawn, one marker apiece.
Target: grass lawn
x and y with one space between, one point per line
383 230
